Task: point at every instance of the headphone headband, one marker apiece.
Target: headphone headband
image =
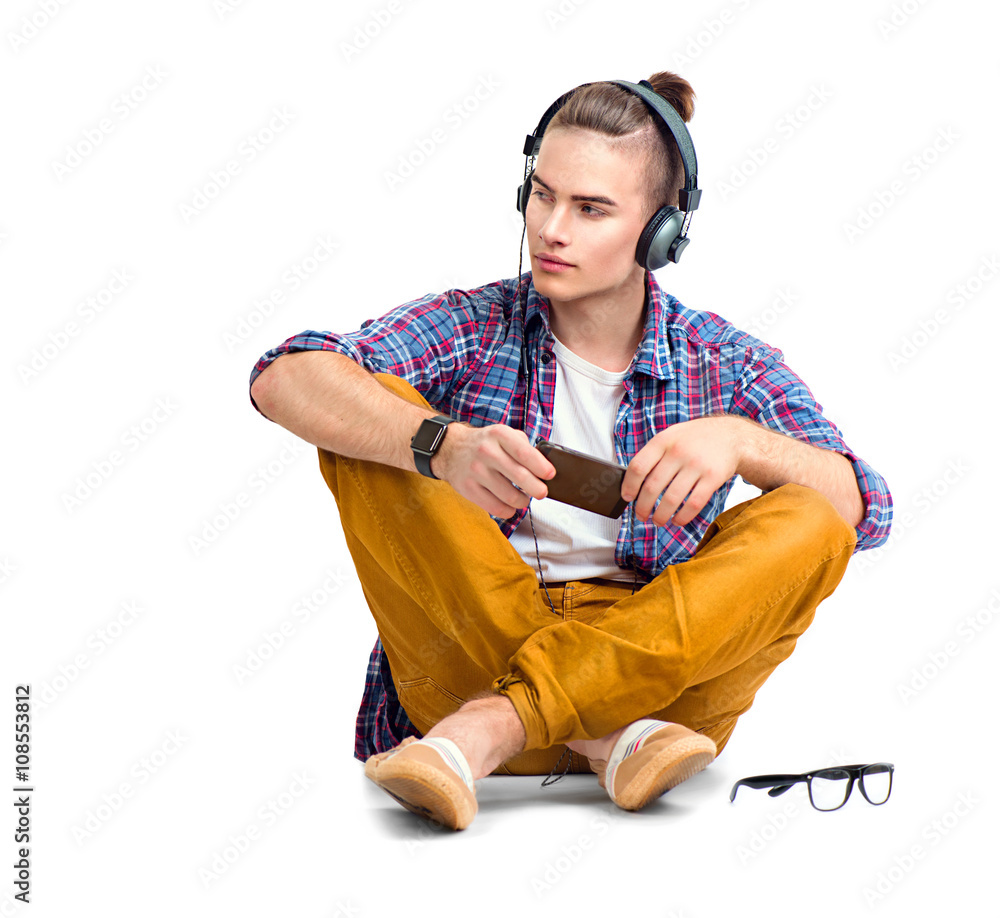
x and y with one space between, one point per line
690 194
689 197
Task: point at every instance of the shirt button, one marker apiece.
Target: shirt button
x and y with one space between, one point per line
546 357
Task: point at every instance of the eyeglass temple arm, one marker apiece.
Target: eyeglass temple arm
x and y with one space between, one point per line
778 783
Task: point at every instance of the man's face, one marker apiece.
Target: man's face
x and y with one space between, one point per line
586 208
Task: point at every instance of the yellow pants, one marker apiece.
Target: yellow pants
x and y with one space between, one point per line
459 611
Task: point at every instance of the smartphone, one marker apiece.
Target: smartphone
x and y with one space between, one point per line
584 481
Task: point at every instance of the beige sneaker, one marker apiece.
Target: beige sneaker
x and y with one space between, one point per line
651 757
430 777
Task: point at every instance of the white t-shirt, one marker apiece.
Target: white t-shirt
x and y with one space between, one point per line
575 544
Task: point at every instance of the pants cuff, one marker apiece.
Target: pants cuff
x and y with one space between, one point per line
514 689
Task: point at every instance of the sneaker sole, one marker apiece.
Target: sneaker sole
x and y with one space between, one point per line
668 768
425 791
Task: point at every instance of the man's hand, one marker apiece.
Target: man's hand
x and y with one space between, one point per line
481 462
690 460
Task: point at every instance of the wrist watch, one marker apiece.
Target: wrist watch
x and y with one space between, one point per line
427 441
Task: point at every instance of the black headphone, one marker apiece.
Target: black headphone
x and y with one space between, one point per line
664 237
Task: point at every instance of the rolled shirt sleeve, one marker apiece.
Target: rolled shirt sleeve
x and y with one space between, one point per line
772 394
429 342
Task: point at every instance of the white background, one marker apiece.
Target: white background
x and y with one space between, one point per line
130 436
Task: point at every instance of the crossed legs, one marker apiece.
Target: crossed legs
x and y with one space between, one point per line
460 614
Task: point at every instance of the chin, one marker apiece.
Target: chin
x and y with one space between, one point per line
548 286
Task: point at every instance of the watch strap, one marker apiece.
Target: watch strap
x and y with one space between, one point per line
422 458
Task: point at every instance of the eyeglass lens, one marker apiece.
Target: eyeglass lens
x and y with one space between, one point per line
876 781
828 789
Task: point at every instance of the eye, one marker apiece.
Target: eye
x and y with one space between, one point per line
593 211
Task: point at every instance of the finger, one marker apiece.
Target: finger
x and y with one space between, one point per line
696 502
485 498
528 467
654 485
538 465
635 476
498 469
511 493
674 496
527 483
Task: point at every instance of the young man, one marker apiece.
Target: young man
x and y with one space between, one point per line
483 666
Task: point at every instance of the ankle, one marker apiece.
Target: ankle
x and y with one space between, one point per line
598 750
486 730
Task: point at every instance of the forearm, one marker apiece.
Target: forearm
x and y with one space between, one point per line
330 401
769 460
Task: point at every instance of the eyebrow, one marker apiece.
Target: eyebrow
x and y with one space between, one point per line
596 198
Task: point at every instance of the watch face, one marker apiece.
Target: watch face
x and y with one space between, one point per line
428 435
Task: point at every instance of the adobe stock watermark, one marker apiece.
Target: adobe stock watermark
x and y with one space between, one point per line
453 117
9 906
773 826
932 834
423 829
7 570
569 856
272 641
230 510
60 339
112 803
292 279
128 443
775 823
785 127
94 135
247 151
430 651
95 645
899 16
363 35
955 300
906 521
939 659
711 30
770 315
32 26
913 169
224 8
559 13
267 815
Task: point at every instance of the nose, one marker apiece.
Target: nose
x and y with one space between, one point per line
555 227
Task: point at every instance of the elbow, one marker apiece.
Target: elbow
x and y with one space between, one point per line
264 390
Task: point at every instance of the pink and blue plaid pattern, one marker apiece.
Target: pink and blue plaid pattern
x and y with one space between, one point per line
461 350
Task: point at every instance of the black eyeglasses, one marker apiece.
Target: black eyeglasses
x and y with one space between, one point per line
829 788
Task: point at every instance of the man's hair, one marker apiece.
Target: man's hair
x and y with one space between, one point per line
623 118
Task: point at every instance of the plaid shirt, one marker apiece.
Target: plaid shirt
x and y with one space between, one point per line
461 350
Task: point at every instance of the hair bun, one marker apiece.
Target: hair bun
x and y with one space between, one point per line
676 90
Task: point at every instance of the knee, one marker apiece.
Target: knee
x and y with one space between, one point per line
814 517
402 388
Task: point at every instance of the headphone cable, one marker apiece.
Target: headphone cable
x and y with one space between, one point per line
527 400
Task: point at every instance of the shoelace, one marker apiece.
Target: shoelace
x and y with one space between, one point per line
550 780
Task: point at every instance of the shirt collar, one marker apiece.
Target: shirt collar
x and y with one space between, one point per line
652 355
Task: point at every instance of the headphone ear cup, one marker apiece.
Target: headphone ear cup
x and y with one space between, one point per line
523 193
658 238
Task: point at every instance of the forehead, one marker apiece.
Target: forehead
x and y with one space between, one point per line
575 161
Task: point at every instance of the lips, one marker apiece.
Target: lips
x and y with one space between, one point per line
552 262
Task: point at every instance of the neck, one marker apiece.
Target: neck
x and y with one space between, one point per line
605 332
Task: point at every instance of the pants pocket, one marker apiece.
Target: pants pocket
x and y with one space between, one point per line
426 702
